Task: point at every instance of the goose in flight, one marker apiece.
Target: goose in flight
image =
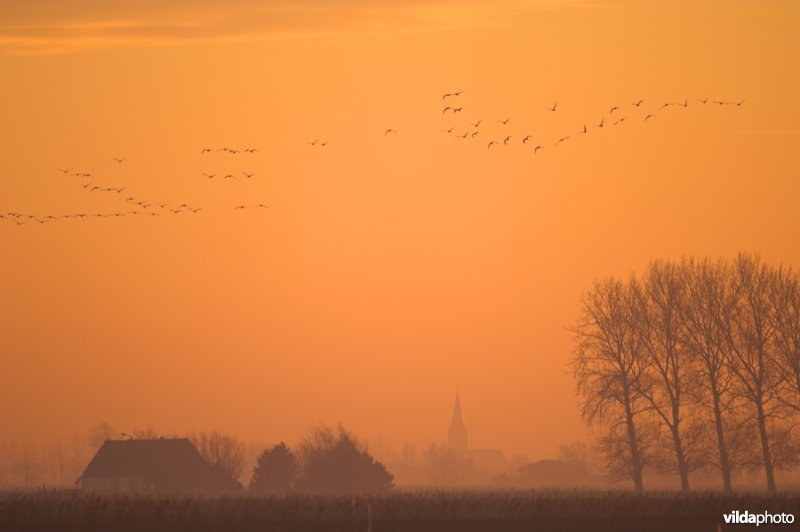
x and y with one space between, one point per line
613 109
562 139
638 102
476 124
248 176
262 206
490 144
238 207
464 135
685 102
68 170
446 109
458 110
505 140
119 160
553 109
584 130
229 176
251 150
314 143
206 150
195 211
447 130
526 137
474 133
601 122
210 176
323 144
85 186
704 101
537 148
648 117
448 94
504 122
390 130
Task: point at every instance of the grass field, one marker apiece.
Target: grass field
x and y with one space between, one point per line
407 511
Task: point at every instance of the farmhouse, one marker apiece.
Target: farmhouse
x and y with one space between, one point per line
162 465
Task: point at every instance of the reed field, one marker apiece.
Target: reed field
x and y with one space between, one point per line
563 510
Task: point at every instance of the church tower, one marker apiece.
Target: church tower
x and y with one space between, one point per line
457 434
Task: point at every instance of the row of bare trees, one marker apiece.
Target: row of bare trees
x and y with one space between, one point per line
694 364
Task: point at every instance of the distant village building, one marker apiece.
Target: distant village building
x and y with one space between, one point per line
162 465
485 461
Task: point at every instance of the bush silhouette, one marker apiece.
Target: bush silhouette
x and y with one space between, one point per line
335 462
275 470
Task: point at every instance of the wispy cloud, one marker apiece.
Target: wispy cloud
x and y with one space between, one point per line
55 26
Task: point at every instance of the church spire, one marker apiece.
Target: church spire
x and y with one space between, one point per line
457 435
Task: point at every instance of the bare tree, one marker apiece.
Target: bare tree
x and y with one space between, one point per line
220 449
607 366
655 319
706 298
786 299
749 330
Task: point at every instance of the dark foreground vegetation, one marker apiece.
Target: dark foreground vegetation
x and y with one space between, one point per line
407 511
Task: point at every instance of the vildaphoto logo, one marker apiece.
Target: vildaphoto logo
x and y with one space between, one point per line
765 518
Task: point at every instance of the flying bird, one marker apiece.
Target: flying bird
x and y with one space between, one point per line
210 176
490 144
525 138
240 207
685 102
206 150
457 110
464 135
476 124
505 140
537 148
314 143
229 176
613 109
553 108
68 170
262 206
474 133
447 130
504 122
389 131
448 94
638 103
562 139
119 160
601 122
248 176
703 101
584 130
251 150
648 117
446 109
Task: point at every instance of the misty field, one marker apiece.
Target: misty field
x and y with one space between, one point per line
411 511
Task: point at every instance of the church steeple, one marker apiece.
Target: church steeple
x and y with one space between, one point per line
457 434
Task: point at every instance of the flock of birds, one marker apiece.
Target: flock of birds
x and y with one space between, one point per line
615 116
136 206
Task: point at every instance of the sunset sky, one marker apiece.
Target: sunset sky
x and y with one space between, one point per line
389 271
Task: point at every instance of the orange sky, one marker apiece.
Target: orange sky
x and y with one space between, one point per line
389 270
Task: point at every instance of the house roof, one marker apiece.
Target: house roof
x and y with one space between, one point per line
169 464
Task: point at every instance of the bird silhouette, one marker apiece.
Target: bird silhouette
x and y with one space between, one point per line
490 144
474 133
210 176
262 206
448 94
314 143
638 103
504 122
251 150
553 109
85 186
685 102
464 135
584 130
526 137
389 131
446 109
68 170
323 144
206 150
613 109
238 207
704 101
738 104
648 117
229 176
458 110
447 130
476 124
537 148
562 139
505 140
119 160
601 122
248 176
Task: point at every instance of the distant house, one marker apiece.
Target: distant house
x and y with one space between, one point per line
484 461
163 465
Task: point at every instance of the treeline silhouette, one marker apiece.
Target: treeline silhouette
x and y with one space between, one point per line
328 461
694 364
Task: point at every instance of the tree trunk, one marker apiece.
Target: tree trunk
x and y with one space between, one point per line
683 469
724 461
636 460
762 429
